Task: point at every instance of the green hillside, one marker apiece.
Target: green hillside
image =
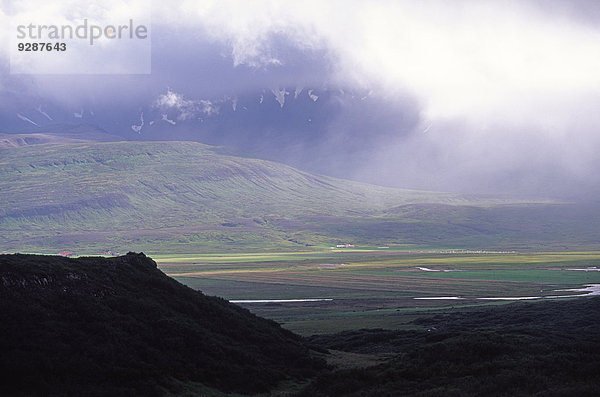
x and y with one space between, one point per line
187 197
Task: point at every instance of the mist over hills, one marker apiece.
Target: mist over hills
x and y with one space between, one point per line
329 129
374 95
323 130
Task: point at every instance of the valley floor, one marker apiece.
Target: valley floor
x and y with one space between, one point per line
330 291
414 323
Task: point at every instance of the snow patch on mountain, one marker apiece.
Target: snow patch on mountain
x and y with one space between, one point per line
165 118
39 109
138 128
19 115
280 95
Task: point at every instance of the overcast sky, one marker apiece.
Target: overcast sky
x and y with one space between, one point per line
505 95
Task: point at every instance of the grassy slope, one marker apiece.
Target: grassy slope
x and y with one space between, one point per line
175 191
186 197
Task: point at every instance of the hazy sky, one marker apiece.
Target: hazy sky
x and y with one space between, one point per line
505 95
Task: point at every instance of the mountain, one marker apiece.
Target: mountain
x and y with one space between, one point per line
319 129
189 197
119 326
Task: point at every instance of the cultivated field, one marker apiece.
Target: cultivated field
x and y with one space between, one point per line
370 287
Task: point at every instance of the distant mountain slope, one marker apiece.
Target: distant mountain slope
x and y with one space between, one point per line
74 193
84 132
57 134
189 197
119 326
16 140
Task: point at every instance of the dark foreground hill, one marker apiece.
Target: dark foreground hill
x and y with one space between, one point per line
119 326
522 349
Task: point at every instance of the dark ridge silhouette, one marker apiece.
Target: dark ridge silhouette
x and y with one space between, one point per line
119 326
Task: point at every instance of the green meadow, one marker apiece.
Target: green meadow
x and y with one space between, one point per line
371 288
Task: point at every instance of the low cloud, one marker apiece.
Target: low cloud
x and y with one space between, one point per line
185 108
470 95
